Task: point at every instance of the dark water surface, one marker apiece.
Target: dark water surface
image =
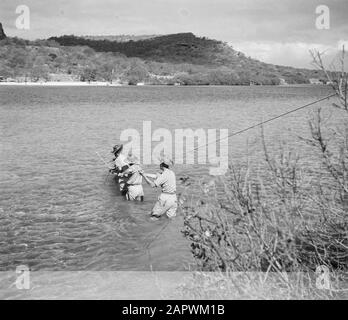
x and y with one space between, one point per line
57 209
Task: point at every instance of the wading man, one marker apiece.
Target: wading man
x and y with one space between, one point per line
134 187
166 180
120 165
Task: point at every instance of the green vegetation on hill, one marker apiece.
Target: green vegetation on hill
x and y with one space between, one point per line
172 59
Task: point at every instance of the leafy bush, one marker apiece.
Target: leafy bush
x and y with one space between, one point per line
278 216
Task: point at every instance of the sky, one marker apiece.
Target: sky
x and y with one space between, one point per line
274 31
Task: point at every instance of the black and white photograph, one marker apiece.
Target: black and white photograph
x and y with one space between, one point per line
173 150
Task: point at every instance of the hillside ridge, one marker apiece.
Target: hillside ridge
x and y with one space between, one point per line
181 58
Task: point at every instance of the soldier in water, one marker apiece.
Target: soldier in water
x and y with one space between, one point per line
134 182
121 165
166 180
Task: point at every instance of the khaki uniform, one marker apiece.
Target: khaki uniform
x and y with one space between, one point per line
134 184
167 201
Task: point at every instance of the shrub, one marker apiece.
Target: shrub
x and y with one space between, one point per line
279 217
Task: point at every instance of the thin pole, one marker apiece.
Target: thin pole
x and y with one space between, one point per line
101 158
266 121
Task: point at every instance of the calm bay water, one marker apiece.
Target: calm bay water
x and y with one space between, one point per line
59 210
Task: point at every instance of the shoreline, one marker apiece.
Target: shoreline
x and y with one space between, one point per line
62 83
107 84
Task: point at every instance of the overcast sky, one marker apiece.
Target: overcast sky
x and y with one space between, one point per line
275 31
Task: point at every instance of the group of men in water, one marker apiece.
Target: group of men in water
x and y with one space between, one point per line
131 175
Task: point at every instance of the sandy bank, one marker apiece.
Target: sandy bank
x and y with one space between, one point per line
61 83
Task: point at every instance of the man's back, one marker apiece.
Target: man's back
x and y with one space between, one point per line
136 178
167 181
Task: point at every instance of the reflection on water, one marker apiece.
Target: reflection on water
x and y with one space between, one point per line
58 208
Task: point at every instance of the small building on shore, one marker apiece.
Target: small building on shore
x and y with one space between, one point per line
282 82
315 81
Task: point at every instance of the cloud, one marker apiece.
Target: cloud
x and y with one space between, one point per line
295 54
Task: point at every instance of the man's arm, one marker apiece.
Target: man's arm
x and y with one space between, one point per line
148 181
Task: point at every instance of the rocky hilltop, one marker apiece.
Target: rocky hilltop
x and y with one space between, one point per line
2 32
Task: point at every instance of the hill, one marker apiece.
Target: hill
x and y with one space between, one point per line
186 48
175 48
171 59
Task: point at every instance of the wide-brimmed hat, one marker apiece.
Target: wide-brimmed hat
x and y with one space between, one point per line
117 148
166 160
132 159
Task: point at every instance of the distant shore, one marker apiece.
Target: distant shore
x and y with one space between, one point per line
108 84
62 83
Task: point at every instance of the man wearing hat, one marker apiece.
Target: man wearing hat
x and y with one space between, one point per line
166 180
134 183
120 164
